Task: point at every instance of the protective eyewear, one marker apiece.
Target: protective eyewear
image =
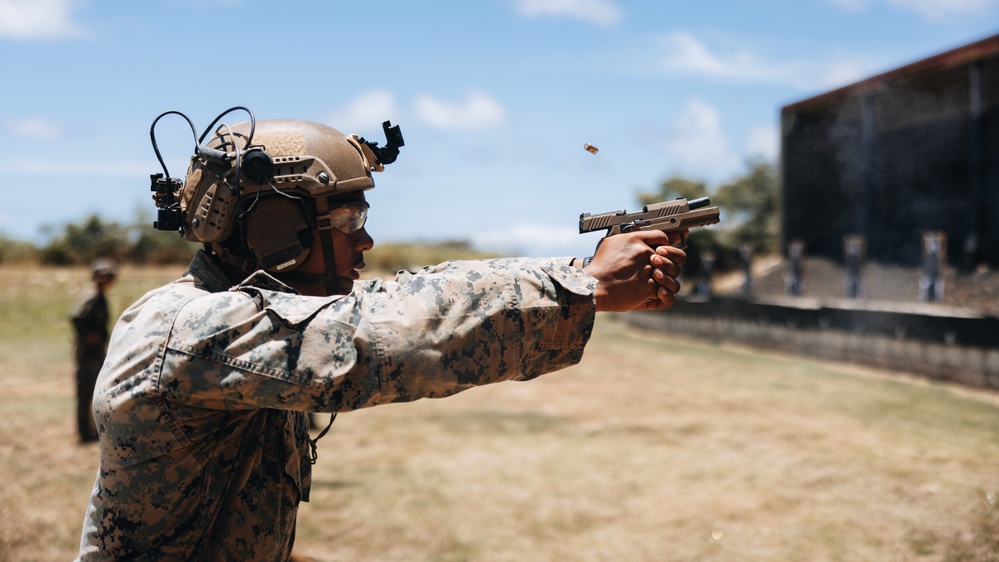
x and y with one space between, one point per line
349 217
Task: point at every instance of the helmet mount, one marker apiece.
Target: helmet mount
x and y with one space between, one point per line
256 193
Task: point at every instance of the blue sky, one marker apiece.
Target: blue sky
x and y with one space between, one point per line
495 98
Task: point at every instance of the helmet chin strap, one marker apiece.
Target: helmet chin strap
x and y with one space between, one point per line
331 282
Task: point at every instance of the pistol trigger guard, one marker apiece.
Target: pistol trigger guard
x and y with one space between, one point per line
683 241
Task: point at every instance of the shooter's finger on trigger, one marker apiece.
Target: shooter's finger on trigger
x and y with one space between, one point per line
678 239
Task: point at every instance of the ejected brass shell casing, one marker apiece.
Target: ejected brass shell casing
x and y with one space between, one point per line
590 148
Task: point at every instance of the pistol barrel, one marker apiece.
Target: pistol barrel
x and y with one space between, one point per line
699 202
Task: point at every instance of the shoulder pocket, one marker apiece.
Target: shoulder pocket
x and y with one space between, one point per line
288 308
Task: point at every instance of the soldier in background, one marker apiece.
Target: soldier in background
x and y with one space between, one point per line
854 254
794 282
90 325
931 283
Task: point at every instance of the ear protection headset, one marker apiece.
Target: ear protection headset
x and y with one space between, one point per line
255 193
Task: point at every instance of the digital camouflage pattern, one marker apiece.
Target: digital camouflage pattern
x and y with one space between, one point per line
204 451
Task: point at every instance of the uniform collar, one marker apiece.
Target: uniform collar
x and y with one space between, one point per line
209 275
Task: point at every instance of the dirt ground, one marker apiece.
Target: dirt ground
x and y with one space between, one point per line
653 448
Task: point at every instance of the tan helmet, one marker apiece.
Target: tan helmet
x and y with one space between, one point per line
254 191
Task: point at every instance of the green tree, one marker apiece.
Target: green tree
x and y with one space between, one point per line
151 246
751 205
87 241
17 251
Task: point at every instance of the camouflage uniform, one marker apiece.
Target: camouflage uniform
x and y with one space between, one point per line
90 324
204 451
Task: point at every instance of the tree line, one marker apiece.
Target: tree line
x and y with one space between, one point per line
95 237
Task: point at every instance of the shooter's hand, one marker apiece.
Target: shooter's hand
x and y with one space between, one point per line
637 271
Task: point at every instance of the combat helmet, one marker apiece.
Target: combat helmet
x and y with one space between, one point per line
257 190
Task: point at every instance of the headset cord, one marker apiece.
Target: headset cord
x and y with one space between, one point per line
313 442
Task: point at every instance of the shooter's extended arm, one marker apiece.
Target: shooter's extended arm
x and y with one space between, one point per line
668 216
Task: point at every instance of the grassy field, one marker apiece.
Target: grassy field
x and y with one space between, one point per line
653 448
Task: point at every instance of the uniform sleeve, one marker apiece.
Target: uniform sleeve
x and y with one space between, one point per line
429 334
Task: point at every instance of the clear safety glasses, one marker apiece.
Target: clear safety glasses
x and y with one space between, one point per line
349 217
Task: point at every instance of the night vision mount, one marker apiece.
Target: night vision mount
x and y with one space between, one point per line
393 141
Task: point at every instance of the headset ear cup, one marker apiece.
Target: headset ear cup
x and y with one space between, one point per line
274 233
258 166
208 206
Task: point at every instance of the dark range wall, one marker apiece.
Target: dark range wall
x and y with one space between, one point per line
944 344
894 156
986 164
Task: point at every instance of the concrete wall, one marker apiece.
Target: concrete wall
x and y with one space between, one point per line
937 342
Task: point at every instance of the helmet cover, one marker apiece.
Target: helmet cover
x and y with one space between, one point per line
308 160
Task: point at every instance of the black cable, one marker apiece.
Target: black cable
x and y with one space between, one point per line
198 149
152 137
313 443
253 124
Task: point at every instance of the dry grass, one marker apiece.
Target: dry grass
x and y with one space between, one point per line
651 449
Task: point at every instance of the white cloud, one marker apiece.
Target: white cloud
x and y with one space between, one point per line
698 144
364 113
34 128
534 240
478 111
604 13
685 53
935 10
682 53
367 111
764 141
39 19
931 10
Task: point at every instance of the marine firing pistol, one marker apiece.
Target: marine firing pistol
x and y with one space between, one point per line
677 215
